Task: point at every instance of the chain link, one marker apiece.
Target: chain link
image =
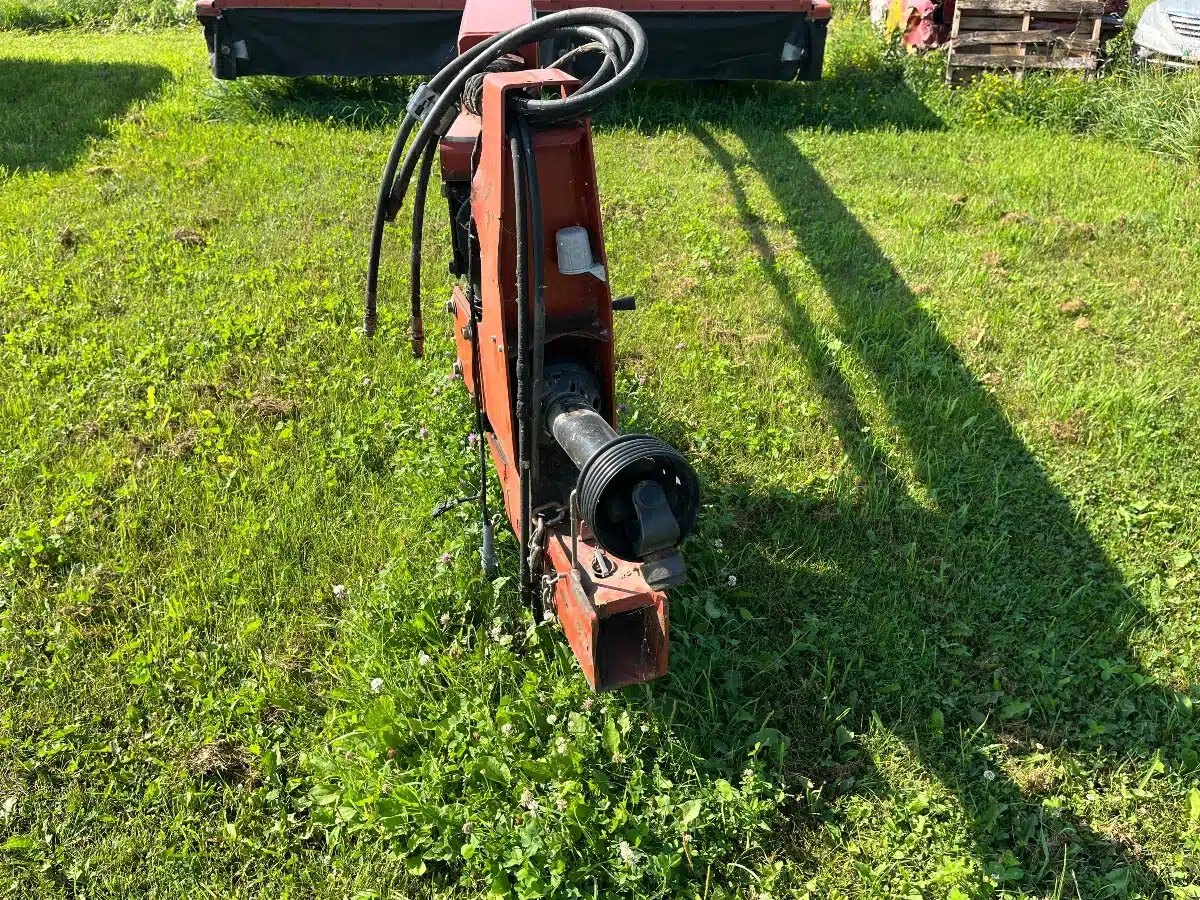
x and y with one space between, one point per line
537 550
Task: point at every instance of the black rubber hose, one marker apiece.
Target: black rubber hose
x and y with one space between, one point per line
578 105
487 550
418 232
628 49
538 268
371 304
523 401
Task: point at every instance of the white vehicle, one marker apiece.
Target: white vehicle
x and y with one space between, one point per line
1169 33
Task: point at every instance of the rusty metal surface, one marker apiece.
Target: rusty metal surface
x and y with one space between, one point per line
617 626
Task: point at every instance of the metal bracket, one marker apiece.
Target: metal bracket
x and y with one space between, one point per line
575 566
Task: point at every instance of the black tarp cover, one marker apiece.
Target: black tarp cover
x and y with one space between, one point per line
777 46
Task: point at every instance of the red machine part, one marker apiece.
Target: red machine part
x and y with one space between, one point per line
695 39
578 309
501 15
616 624
482 20
680 6
500 10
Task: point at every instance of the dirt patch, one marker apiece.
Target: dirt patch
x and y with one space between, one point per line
1121 834
69 239
189 237
183 444
1040 781
84 434
267 407
1018 218
978 338
221 759
1073 307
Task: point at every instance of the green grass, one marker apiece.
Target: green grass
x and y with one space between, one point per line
43 14
960 655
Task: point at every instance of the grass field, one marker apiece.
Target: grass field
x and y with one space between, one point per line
942 381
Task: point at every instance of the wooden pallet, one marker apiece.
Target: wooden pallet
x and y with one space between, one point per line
1019 35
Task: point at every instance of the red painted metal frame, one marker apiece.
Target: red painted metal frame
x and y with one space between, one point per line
483 19
415 5
577 307
499 10
682 6
617 626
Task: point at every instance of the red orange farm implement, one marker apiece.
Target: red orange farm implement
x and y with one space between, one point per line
689 39
600 516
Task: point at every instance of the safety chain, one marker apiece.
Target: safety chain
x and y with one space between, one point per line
548 605
537 540
537 550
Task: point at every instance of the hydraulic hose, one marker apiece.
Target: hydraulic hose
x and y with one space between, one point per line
536 261
525 434
619 37
418 229
430 113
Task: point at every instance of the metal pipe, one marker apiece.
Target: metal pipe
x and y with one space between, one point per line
578 429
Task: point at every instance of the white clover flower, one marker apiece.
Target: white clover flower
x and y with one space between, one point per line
628 854
645 728
588 703
989 775
732 581
526 797
339 591
424 659
719 544
445 619
551 719
467 828
561 746
376 685
561 803
506 729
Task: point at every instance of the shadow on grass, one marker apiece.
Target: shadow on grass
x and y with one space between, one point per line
349 102
50 110
851 99
985 622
